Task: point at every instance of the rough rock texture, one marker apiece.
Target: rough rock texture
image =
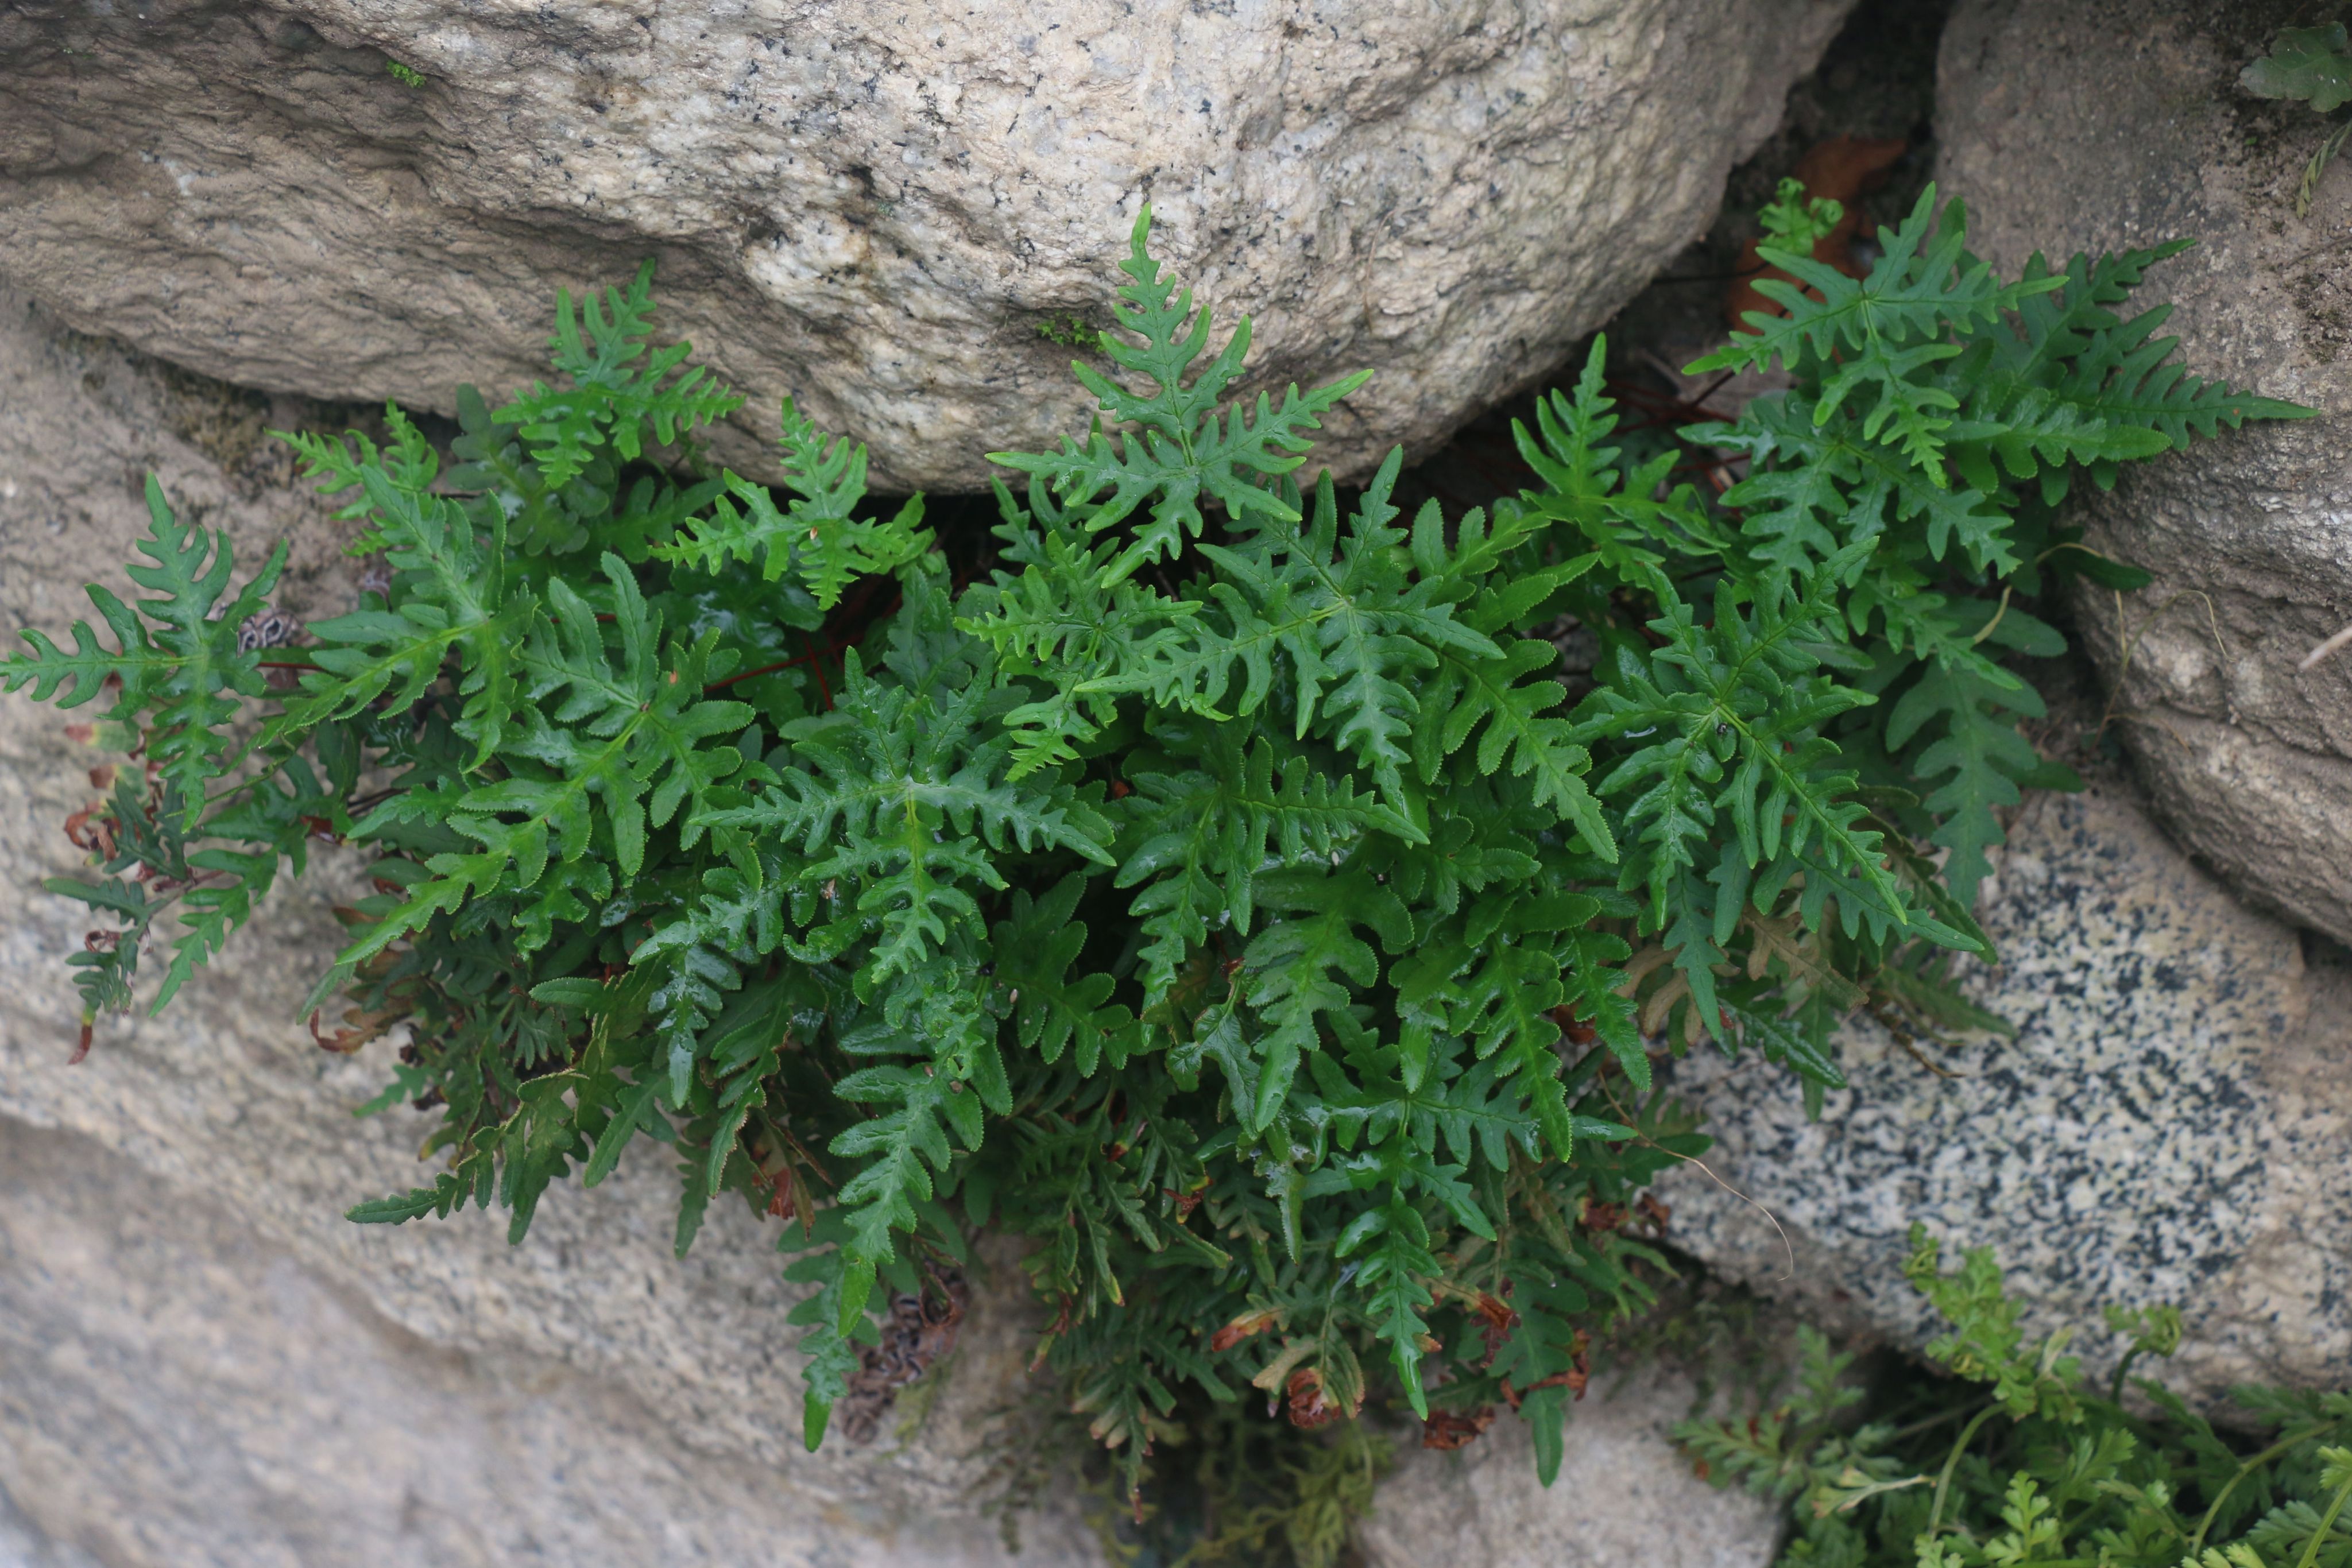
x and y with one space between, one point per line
2170 1123
182 1392
1623 1496
874 206
2097 124
203 1362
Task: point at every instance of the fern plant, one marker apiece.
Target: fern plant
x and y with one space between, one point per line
2043 1469
1209 878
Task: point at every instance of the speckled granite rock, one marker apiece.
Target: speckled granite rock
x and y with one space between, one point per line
2173 1122
2099 124
1624 1496
874 205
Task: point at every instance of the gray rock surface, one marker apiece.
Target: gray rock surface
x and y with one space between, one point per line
182 1392
1623 1496
2172 1123
2100 125
874 206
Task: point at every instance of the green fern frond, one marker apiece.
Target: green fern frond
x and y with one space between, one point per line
622 390
818 535
1881 332
1176 451
176 652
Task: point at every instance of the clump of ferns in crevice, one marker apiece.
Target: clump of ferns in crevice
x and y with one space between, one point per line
1213 889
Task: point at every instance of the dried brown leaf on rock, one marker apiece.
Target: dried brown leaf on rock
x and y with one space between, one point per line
1447 1430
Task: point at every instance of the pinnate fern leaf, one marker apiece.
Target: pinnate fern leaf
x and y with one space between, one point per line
622 390
177 655
1176 451
818 536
